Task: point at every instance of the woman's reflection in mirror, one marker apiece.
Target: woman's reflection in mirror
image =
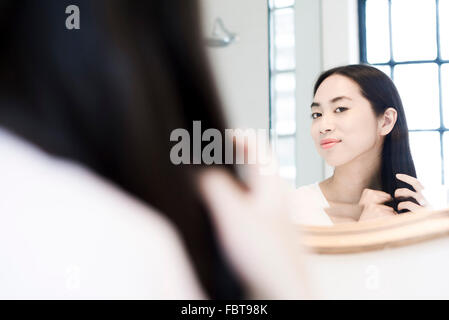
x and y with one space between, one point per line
359 128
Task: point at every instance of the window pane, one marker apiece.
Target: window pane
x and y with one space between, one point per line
444 29
284 39
285 113
284 82
445 93
284 103
413 29
384 69
418 87
285 152
377 31
426 154
281 3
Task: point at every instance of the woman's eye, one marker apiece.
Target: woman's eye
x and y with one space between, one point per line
340 109
315 115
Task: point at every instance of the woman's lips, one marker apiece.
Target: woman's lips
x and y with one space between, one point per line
329 143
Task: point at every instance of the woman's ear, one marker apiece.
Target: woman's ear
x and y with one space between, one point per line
387 121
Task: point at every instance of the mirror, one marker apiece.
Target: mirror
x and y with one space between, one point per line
267 78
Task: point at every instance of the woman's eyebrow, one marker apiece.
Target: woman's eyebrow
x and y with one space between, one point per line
336 99
339 98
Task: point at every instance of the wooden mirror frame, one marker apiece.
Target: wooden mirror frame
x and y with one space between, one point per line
395 231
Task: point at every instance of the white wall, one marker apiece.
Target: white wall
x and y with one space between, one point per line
241 70
308 66
340 39
326 36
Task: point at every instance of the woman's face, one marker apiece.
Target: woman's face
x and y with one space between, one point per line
344 125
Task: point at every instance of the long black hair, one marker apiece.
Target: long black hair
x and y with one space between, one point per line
108 96
382 94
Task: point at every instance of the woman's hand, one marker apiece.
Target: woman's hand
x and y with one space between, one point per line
255 231
373 200
373 207
407 193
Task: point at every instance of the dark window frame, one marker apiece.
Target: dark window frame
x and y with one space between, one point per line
392 63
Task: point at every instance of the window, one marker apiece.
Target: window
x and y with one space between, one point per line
409 41
283 85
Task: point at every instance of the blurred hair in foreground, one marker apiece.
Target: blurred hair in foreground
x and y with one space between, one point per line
108 96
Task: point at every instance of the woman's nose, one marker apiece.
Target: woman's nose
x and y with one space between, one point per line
326 125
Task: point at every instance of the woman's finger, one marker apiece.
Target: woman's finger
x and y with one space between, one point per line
385 209
370 196
219 189
382 194
407 193
260 169
376 211
386 197
378 193
413 207
410 180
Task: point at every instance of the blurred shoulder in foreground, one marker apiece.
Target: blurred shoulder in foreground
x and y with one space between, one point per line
65 233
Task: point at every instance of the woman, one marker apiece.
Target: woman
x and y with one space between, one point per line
92 207
359 127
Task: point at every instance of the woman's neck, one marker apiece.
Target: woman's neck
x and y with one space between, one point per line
349 180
